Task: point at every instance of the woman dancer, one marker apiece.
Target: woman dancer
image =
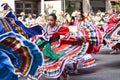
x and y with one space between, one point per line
92 36
113 38
59 47
112 21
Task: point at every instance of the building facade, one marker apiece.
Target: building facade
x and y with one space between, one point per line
88 5
47 6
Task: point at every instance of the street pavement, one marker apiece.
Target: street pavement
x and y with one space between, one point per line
107 68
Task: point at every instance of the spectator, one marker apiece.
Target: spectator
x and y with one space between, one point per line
29 20
22 17
41 20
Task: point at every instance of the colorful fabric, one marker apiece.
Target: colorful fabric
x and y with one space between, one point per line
7 71
113 37
91 34
86 61
54 68
10 23
24 55
93 49
47 49
70 47
111 23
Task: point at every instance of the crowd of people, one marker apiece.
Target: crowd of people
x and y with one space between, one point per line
50 45
99 19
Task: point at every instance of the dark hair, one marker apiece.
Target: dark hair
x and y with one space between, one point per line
6 6
53 15
82 17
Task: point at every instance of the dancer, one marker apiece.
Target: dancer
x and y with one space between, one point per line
59 47
113 38
9 22
91 35
113 20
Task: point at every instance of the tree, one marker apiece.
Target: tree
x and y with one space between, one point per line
116 6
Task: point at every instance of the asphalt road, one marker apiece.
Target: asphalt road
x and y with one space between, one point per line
107 68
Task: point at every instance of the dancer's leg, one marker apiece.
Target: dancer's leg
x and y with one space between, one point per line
58 78
75 67
65 76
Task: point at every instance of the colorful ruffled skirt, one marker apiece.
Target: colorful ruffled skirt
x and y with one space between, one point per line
113 37
73 50
18 56
53 68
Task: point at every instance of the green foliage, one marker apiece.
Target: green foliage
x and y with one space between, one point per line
116 5
70 7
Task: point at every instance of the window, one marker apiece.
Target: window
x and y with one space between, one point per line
19 11
26 6
19 5
96 7
27 11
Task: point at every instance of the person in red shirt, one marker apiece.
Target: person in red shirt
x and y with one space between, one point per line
113 20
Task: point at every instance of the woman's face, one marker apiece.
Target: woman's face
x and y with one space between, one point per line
51 21
78 17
